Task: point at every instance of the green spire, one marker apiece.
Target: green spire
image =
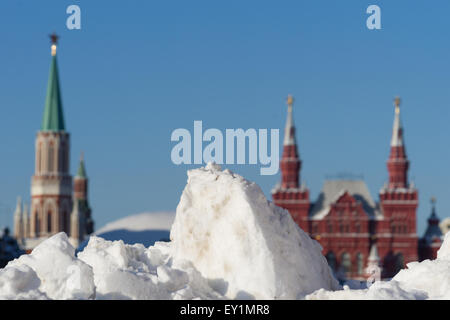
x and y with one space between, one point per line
81 169
53 119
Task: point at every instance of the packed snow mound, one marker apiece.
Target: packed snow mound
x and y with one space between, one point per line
228 241
429 279
50 271
243 244
124 271
444 251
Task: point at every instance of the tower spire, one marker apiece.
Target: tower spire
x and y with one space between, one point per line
289 194
398 163
289 131
81 168
290 162
53 119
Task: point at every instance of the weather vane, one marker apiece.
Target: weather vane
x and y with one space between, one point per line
433 200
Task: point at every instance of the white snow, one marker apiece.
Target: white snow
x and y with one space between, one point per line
227 241
231 233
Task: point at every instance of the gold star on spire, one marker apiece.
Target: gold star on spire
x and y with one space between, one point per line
290 100
397 102
54 38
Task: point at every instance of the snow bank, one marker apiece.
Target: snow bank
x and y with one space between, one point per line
228 241
245 245
429 279
51 270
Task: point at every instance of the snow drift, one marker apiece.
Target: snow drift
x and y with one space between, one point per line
227 241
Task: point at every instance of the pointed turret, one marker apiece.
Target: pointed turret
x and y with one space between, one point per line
18 222
433 231
53 119
76 223
398 163
290 161
289 194
398 204
51 184
81 169
25 221
81 197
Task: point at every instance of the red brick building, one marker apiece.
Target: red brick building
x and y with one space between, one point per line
355 231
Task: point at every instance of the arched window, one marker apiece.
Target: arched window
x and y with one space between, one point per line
346 262
36 224
38 158
357 228
51 157
360 263
49 222
341 228
62 158
330 227
331 259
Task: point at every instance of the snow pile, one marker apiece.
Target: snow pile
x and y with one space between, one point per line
50 271
246 246
228 241
429 279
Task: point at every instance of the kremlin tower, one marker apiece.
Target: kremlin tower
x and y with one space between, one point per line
52 200
290 194
396 234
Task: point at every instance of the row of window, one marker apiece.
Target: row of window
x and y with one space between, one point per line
63 160
49 227
401 228
345 262
342 228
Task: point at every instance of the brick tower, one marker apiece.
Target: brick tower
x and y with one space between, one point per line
54 198
51 186
290 194
81 219
396 234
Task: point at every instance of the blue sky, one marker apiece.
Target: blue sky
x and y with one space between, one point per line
137 70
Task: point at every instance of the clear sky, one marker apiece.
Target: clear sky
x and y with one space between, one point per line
137 70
